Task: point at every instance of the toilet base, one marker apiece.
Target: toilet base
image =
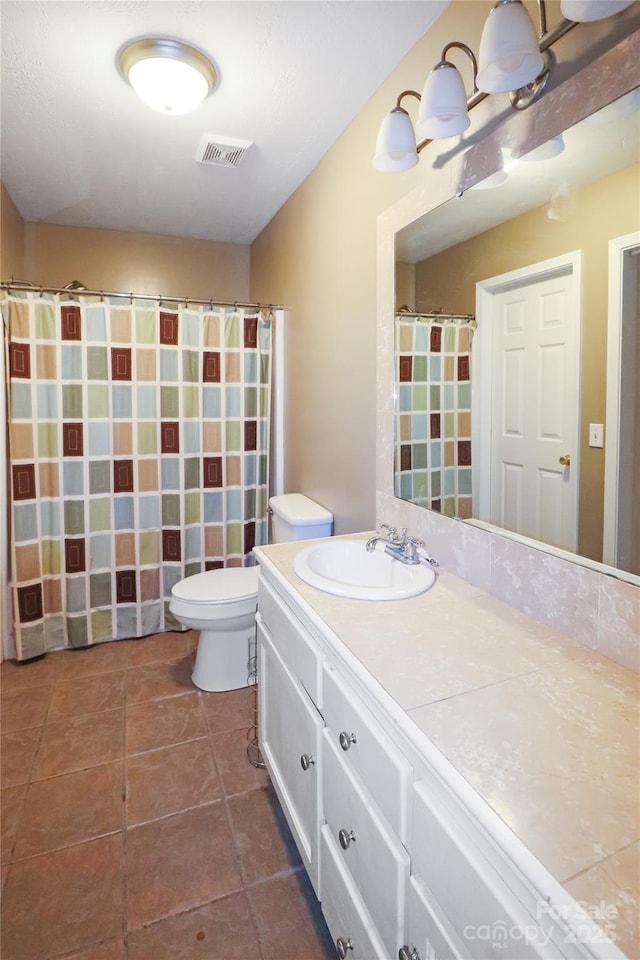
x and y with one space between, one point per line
223 658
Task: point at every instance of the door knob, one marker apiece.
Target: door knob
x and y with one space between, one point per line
565 460
306 761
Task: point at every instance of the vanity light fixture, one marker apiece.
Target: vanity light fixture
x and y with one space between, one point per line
512 59
168 75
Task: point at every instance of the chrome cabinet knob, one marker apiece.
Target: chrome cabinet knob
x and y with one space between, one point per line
342 946
306 761
346 837
346 739
408 953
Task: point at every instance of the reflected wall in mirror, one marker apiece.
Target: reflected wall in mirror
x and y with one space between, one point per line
518 346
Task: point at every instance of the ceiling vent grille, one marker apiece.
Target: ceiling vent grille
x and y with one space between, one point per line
221 151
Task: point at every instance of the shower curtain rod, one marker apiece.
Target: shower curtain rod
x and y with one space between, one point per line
436 315
158 298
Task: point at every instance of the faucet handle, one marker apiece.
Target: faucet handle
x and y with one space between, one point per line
411 545
393 533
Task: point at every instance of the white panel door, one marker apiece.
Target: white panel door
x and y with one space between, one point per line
535 327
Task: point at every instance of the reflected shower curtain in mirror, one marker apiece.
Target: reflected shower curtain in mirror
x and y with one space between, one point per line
433 412
139 446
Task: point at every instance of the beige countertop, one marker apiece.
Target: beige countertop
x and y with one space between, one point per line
544 729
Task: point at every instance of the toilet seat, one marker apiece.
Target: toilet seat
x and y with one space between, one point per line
227 585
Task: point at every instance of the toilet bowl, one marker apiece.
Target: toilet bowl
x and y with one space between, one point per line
221 604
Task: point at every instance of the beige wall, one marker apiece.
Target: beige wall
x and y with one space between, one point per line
11 238
318 256
599 212
138 262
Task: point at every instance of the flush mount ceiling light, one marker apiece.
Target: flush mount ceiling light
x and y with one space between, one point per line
513 59
168 75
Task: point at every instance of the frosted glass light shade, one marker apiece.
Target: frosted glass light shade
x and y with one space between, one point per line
168 75
443 107
586 11
396 143
509 57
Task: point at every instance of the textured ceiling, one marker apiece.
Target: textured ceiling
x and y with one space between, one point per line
79 148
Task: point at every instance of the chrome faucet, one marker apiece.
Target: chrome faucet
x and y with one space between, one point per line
392 538
400 545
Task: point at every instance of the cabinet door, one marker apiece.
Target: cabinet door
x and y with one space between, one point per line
290 730
351 927
370 851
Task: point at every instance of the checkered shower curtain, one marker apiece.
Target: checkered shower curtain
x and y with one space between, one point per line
138 449
433 413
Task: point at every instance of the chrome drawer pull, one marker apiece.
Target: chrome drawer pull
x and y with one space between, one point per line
408 953
346 739
306 761
342 946
346 837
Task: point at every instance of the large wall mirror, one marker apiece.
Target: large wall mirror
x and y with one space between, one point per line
517 346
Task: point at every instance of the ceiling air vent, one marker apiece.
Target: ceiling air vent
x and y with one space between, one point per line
221 151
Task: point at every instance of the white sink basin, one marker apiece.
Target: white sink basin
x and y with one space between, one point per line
346 569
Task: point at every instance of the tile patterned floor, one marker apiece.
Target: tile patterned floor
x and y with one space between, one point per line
133 826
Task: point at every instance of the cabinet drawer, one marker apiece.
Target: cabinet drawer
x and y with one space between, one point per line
343 909
370 753
298 650
374 856
477 902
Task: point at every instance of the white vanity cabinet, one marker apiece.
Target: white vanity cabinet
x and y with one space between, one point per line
406 859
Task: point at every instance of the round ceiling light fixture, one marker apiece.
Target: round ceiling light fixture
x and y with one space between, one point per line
168 75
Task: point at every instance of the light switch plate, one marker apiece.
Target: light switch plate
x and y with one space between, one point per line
596 435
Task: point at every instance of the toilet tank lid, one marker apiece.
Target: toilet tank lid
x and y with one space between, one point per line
297 509
230 583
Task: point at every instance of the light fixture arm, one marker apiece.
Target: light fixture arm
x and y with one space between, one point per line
469 52
406 93
542 16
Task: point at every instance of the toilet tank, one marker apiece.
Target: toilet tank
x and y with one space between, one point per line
296 517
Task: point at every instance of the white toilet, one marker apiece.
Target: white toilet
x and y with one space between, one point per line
221 604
